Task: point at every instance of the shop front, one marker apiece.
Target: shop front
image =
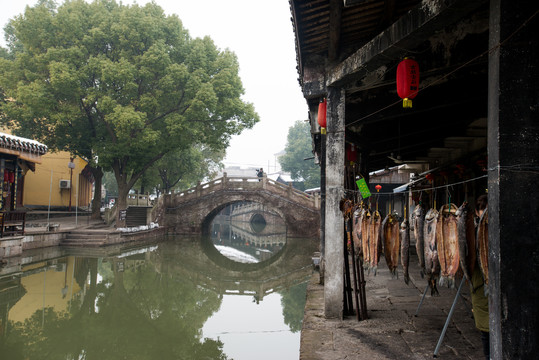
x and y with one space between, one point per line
17 156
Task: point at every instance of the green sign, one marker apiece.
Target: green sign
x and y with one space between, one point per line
363 188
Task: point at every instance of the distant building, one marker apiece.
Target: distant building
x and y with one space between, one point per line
236 171
391 179
313 191
285 178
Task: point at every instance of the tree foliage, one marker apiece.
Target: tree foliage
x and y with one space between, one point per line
298 148
123 84
182 169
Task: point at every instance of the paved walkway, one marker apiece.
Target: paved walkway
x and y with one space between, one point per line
64 221
392 331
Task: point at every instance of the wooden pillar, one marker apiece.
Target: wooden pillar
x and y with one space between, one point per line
334 232
513 161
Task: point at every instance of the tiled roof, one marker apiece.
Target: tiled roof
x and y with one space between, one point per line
17 143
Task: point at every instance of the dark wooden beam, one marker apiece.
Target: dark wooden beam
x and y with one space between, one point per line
335 12
297 40
389 14
353 2
407 33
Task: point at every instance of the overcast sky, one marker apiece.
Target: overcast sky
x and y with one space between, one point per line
261 34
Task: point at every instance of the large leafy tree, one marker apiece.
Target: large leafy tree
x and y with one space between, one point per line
298 149
120 85
184 168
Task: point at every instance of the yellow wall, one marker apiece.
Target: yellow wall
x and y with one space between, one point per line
38 185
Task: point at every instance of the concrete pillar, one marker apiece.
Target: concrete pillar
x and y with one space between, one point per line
322 206
334 232
513 161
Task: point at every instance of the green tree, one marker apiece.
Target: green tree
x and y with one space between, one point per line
181 169
298 148
184 168
122 84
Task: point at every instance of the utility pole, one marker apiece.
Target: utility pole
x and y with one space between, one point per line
71 166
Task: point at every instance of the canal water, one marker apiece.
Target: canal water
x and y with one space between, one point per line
238 293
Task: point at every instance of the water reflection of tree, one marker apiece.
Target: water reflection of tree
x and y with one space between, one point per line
293 302
137 314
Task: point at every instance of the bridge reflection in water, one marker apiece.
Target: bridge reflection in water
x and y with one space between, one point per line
148 302
248 232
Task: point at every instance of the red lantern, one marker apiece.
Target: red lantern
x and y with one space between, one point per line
378 187
322 108
407 81
11 177
351 153
6 176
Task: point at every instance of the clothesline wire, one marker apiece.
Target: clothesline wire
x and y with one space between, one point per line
425 189
522 168
450 185
531 168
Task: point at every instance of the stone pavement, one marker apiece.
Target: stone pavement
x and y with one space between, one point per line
392 331
64 220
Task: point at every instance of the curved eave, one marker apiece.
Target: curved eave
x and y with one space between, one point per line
25 149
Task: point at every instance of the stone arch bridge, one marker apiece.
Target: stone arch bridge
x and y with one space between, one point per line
191 211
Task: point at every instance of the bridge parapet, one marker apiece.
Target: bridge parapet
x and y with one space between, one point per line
247 184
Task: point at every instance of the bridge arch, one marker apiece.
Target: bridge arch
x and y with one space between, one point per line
206 222
191 211
258 222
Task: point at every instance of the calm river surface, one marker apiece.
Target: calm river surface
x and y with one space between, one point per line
228 296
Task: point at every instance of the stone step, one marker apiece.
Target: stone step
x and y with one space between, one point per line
86 235
83 242
85 238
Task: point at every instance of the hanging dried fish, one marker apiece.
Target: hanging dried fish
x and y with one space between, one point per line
418 220
482 245
432 265
405 248
365 239
356 234
391 241
466 235
375 241
447 244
